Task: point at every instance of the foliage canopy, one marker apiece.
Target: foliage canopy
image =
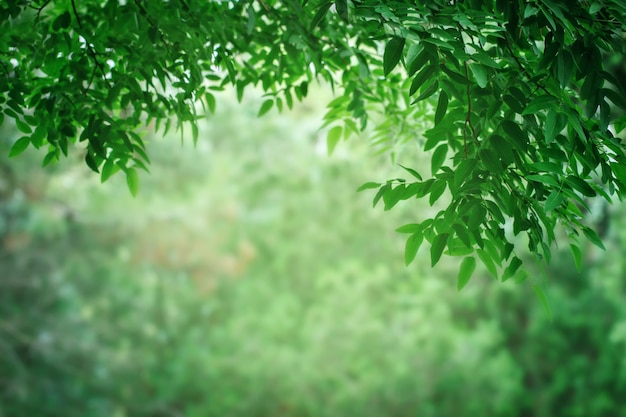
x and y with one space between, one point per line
514 98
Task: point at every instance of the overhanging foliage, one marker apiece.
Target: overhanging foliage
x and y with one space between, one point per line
513 97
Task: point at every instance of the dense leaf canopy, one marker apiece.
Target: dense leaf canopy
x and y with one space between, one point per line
516 99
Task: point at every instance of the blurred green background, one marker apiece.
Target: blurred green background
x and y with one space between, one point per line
248 278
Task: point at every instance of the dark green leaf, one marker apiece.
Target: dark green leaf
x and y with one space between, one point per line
393 53
442 106
19 146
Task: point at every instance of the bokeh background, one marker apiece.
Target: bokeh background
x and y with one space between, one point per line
248 278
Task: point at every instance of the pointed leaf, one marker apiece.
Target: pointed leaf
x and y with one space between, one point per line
393 53
334 135
265 107
480 74
442 106
368 185
468 265
19 146
132 180
413 243
543 299
437 247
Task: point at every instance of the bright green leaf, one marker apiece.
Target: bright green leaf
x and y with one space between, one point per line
468 265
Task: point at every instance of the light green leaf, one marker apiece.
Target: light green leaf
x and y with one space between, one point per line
393 53
578 257
334 135
468 265
413 244
554 200
265 107
543 299
132 180
368 186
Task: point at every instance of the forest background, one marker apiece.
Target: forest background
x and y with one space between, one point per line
248 278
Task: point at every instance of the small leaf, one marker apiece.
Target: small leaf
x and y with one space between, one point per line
210 101
580 185
543 299
442 106
410 228
468 265
368 186
19 146
265 107
334 135
488 262
437 247
132 180
413 244
412 172
393 53
578 257
512 268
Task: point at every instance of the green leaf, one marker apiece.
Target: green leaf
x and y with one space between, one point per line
543 299
392 54
109 168
342 9
132 180
513 130
368 186
412 172
334 135
410 228
438 158
413 244
442 106
421 78
480 74
578 257
593 237
554 200
512 268
210 101
580 185
437 247
468 265
319 16
488 262
19 146
265 107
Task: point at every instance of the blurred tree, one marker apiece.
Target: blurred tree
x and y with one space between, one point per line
512 96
